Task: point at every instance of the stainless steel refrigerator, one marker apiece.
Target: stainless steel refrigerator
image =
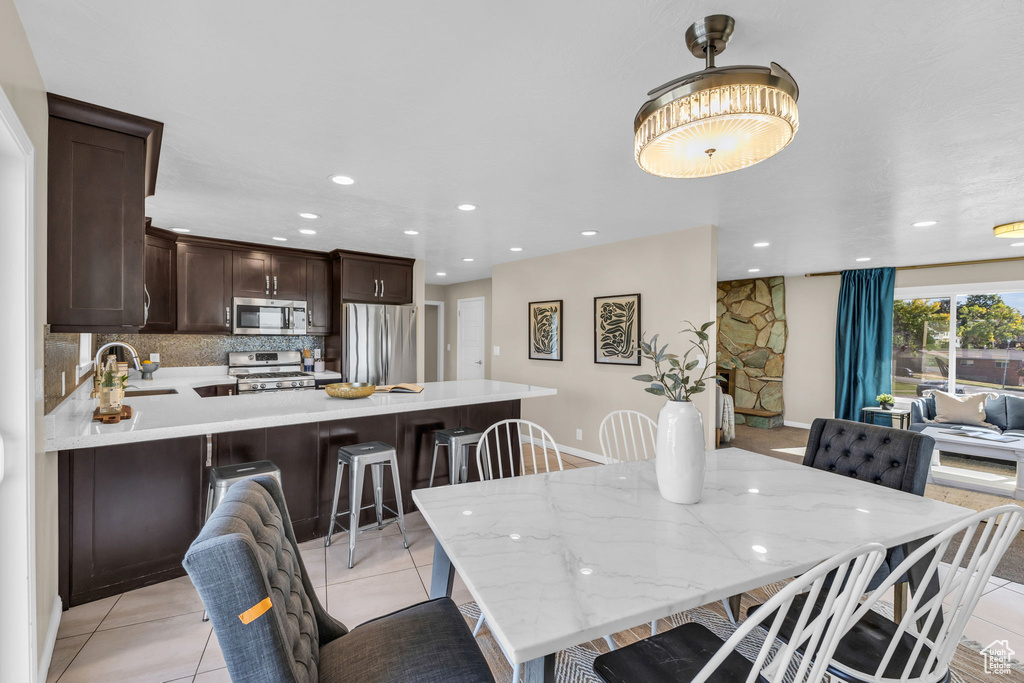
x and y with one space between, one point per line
379 343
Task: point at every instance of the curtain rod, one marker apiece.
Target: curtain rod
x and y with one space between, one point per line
935 265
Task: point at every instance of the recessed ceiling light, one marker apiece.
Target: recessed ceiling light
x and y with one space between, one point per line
280 239
1017 244
753 270
342 179
467 207
441 274
924 224
307 231
309 215
588 233
761 244
863 258
181 230
515 248
467 259
412 232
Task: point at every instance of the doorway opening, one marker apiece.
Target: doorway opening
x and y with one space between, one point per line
471 338
433 338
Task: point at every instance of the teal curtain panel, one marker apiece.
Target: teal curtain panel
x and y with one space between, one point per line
863 339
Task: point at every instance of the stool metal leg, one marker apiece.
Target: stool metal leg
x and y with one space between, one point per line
454 466
209 501
398 499
355 497
378 492
433 463
337 495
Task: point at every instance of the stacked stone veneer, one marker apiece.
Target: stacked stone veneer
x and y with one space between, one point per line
752 336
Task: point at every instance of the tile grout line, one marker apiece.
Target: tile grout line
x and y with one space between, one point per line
998 626
90 634
203 653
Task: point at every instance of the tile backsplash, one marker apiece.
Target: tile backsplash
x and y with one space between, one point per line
60 355
180 350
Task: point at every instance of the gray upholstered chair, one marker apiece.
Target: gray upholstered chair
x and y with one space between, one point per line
271 627
894 458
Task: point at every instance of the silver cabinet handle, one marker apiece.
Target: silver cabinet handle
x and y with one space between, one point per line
209 450
382 286
267 291
227 316
275 285
145 310
376 286
309 316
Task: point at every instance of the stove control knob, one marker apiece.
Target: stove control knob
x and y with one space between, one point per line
252 357
295 384
280 384
262 386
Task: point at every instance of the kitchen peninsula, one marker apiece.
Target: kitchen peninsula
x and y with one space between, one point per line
132 495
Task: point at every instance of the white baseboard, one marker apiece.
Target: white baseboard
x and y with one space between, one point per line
570 450
51 639
801 425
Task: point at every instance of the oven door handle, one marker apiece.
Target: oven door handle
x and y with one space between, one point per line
287 317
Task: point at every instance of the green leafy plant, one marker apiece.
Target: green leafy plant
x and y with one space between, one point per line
112 379
885 399
675 381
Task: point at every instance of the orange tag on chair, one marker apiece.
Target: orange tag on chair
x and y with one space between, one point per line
256 611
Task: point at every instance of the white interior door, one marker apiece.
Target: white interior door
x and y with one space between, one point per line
471 338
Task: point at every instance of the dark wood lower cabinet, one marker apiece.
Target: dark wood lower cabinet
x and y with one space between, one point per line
128 513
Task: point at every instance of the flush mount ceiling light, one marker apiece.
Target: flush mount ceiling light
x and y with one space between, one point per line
342 180
466 207
1009 230
309 215
717 120
924 224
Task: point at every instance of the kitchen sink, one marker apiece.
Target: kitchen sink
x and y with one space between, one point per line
149 392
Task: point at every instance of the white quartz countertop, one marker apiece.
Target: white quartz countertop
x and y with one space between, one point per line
186 413
558 559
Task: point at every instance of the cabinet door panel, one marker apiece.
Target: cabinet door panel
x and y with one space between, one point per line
96 227
290 274
483 415
360 280
204 289
253 274
135 509
318 296
416 448
396 283
161 264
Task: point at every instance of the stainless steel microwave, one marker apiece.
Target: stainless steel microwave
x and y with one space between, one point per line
268 316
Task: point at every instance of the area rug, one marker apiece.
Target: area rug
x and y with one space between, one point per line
576 664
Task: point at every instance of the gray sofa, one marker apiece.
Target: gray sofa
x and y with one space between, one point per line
1005 413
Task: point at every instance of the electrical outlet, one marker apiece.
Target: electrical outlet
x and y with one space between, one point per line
497 350
155 357
63 383
579 435
449 347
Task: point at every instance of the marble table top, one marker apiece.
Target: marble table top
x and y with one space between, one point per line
558 559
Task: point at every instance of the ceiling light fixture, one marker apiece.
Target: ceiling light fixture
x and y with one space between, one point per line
1017 244
309 215
181 230
753 270
863 258
515 248
280 239
467 259
441 274
307 231
761 244
466 207
924 224
588 233
717 120
1009 230
342 180
412 232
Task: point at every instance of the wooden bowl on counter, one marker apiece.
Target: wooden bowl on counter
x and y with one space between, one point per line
349 389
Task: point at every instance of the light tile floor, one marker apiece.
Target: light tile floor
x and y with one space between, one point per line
156 634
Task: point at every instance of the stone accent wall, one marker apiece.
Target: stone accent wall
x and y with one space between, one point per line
752 335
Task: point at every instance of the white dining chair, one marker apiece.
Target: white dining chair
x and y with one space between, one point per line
502 447
627 435
693 653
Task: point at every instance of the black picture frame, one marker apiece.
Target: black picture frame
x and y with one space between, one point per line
630 340
545 317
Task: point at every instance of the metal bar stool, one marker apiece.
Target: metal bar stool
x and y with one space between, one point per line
457 440
221 479
376 455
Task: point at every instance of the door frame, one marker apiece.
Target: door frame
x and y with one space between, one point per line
19 646
440 335
458 333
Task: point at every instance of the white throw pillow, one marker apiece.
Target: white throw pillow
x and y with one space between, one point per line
961 408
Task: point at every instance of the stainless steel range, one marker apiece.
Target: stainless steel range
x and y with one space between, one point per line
269 371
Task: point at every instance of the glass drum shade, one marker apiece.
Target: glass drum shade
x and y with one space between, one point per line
1010 230
716 130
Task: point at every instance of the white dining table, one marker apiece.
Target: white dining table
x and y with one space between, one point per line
558 559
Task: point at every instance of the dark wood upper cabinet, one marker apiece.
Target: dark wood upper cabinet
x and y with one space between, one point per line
161 285
289 278
101 165
204 289
318 296
252 273
378 281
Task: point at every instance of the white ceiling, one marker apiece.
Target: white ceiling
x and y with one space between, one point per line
909 111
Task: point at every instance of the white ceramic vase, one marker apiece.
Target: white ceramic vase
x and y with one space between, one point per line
680 453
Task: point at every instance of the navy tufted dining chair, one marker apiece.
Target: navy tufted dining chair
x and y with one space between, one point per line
895 458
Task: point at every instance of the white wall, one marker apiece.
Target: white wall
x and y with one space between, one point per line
811 305
676 275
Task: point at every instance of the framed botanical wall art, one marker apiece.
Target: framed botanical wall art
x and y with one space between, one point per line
617 329
545 342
